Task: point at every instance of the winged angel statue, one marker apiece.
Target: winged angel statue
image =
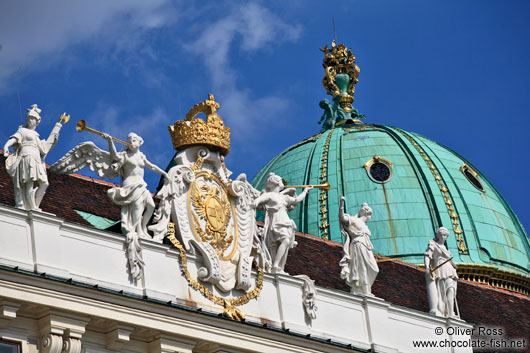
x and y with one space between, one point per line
214 218
136 202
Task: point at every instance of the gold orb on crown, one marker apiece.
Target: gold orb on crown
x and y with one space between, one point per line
196 131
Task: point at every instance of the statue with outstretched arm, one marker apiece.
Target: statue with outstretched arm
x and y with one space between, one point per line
26 165
358 265
132 196
279 228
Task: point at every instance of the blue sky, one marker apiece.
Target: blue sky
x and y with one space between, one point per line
454 71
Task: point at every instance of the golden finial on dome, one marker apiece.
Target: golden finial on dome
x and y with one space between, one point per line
195 131
340 74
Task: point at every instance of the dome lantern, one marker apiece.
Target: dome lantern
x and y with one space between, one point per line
341 76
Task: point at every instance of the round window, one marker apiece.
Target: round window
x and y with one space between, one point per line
379 169
472 176
380 172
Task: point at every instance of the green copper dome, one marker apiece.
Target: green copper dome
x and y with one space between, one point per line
414 185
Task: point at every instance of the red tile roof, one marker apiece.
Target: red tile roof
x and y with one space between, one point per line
404 284
398 282
66 194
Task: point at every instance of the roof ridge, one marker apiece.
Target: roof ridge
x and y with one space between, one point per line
94 180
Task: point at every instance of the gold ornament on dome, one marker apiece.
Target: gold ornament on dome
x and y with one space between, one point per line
195 131
340 60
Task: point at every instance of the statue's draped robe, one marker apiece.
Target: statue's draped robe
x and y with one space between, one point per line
27 164
445 276
278 226
128 196
358 265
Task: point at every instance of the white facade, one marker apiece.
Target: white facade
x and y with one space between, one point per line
66 288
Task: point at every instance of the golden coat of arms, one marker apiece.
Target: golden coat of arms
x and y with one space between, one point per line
212 215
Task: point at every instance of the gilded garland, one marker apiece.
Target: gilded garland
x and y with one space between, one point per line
229 304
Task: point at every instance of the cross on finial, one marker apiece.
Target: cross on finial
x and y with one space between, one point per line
334 31
212 103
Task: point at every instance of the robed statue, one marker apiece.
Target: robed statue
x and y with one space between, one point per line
26 165
279 228
441 276
132 196
358 265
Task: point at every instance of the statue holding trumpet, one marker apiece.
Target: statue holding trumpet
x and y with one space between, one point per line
26 165
136 202
278 231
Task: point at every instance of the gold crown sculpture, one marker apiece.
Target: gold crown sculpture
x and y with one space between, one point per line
195 131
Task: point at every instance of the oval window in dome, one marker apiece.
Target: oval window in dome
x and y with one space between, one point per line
472 177
379 170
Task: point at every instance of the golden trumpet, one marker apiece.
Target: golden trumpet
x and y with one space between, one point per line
325 186
81 126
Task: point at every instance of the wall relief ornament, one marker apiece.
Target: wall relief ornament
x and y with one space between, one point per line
309 293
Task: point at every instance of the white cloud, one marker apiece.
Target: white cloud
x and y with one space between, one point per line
36 34
258 29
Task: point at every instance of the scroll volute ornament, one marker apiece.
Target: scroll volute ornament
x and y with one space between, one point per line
195 131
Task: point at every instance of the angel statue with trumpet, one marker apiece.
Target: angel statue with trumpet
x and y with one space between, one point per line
136 202
26 165
279 229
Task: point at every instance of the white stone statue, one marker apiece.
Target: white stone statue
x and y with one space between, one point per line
358 265
441 276
279 228
136 202
26 165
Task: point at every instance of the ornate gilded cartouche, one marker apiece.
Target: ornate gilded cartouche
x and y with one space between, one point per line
341 74
194 131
